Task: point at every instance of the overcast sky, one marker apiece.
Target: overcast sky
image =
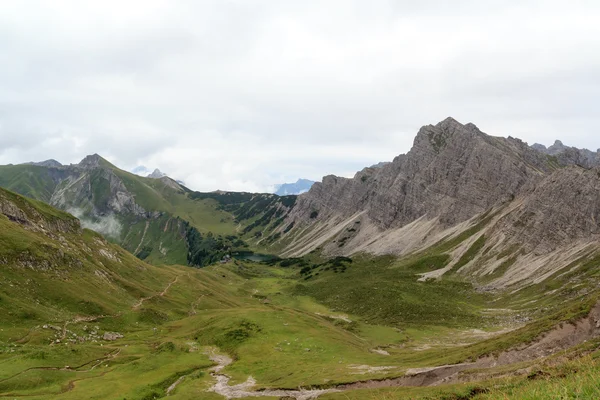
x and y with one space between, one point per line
242 94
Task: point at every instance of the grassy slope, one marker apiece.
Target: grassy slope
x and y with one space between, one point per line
288 341
154 195
282 344
28 180
220 213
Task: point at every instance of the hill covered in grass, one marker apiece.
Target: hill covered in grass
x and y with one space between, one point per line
157 219
81 317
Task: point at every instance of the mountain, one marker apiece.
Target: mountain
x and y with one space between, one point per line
53 268
519 213
47 163
157 174
299 187
457 185
470 263
81 317
157 218
566 155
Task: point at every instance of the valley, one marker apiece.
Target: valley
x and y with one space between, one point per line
461 270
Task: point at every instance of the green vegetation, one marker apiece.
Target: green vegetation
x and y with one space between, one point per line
383 290
207 249
159 234
470 253
437 140
306 321
29 180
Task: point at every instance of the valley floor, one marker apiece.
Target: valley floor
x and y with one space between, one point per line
243 330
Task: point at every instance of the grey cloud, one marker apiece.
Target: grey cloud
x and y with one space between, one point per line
242 95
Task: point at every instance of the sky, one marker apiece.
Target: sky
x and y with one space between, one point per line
244 94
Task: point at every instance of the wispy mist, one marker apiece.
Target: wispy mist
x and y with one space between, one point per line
107 225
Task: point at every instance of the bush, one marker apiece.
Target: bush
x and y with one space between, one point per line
288 262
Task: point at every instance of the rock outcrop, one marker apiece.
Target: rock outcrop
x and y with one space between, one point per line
562 208
156 174
452 172
565 155
537 208
27 214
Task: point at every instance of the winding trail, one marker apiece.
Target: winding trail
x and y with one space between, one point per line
562 337
96 361
194 304
175 384
161 294
242 390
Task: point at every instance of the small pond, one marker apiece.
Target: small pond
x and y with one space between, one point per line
256 257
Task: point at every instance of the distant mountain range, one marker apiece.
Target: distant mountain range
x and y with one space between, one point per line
299 187
145 172
522 205
153 216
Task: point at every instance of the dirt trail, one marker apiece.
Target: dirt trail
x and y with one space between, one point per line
242 390
161 294
194 304
560 338
96 362
175 384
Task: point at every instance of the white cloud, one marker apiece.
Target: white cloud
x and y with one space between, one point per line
242 95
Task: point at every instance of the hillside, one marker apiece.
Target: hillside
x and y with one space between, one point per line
157 219
82 318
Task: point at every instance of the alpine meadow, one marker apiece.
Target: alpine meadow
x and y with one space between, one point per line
328 226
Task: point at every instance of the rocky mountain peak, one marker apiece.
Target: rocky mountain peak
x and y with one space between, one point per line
299 187
435 137
91 161
51 163
452 173
567 155
157 174
557 147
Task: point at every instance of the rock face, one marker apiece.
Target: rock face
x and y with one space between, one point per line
157 174
26 214
566 155
562 208
538 208
453 172
92 161
82 191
